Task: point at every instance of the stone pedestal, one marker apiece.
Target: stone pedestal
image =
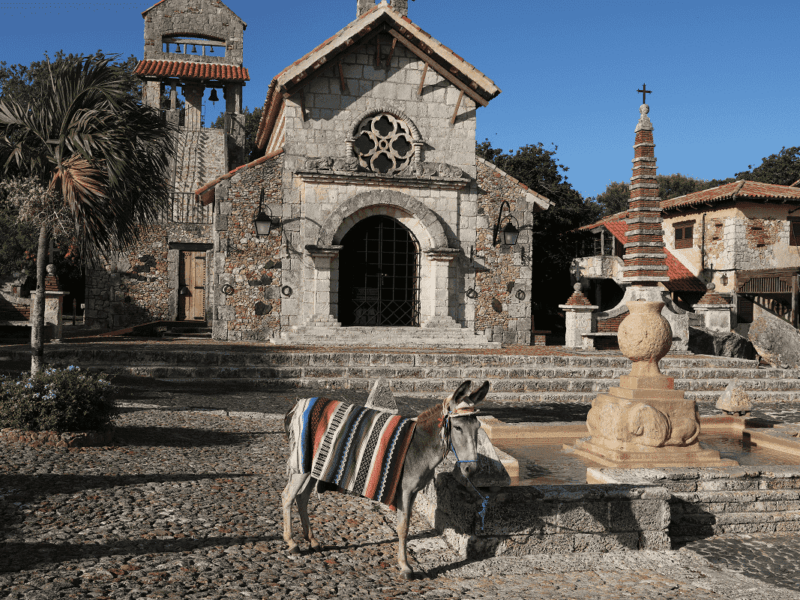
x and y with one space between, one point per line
439 294
578 311
645 422
716 312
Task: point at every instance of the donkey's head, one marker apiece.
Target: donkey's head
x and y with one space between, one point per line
460 426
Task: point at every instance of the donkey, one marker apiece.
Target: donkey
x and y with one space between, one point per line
324 453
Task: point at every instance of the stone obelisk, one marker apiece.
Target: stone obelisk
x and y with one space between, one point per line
645 422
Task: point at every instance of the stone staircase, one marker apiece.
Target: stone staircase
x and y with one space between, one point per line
332 334
515 378
187 330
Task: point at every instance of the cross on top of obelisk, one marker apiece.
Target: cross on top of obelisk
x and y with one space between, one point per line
644 91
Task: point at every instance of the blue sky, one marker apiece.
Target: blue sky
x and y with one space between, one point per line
723 71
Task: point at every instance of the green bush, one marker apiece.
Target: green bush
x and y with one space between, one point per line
57 400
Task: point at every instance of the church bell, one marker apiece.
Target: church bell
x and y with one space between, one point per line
213 97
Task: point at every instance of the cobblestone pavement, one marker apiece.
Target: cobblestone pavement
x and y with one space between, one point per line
186 504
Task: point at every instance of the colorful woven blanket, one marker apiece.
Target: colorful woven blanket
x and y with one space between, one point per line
356 449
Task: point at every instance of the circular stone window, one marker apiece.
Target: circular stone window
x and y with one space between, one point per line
383 144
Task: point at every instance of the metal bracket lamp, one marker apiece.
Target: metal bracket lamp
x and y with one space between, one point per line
263 222
510 232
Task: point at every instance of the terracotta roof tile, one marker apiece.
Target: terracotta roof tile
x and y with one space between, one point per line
741 189
191 70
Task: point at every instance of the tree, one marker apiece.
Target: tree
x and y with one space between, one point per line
782 168
555 236
617 194
251 120
85 160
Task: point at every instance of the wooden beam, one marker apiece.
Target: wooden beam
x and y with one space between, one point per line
342 82
440 69
422 81
458 105
391 54
302 101
377 51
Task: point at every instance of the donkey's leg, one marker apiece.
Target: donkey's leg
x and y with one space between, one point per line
302 508
296 482
405 501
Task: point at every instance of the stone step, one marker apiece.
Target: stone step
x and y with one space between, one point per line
429 388
700 366
454 337
503 378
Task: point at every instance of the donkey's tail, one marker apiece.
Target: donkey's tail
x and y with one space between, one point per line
287 421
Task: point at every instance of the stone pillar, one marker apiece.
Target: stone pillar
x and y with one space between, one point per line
440 282
715 311
326 290
151 94
54 304
233 98
364 6
578 312
193 94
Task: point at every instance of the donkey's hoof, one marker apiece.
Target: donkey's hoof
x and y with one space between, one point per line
294 550
316 547
407 575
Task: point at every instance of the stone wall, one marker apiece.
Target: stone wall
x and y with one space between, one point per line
502 272
140 284
191 18
247 275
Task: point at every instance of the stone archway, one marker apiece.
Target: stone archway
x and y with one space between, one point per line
435 255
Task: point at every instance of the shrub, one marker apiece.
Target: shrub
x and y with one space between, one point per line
57 400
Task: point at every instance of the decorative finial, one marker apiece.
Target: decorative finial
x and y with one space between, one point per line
577 287
51 269
711 286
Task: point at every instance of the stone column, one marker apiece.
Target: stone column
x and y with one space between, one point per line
578 311
326 288
151 94
54 304
440 282
194 105
715 311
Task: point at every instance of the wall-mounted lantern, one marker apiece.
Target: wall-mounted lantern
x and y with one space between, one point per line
511 231
263 222
724 279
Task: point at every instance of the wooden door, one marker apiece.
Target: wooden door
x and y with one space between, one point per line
192 286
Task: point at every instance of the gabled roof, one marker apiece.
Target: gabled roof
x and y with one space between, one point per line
381 18
144 12
191 70
681 279
736 190
539 202
200 193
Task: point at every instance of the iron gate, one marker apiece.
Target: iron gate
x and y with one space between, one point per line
379 275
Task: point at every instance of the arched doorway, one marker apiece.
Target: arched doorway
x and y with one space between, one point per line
379 271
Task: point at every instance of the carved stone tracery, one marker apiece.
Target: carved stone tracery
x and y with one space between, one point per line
384 144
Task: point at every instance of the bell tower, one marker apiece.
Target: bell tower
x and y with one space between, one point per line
196 45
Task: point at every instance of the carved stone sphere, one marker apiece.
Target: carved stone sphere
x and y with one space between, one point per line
644 335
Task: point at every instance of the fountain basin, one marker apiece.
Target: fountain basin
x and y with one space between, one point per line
624 509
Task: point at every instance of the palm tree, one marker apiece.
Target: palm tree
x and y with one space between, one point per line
102 157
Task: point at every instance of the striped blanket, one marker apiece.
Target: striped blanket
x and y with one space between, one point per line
356 449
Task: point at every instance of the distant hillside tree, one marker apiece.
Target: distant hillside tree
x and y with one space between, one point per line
782 168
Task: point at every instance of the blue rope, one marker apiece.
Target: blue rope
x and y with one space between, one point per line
484 499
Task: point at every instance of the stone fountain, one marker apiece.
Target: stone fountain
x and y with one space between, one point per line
645 422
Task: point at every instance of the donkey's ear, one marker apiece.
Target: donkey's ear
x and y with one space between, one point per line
479 394
459 394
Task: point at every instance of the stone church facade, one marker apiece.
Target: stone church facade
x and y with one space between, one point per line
383 224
